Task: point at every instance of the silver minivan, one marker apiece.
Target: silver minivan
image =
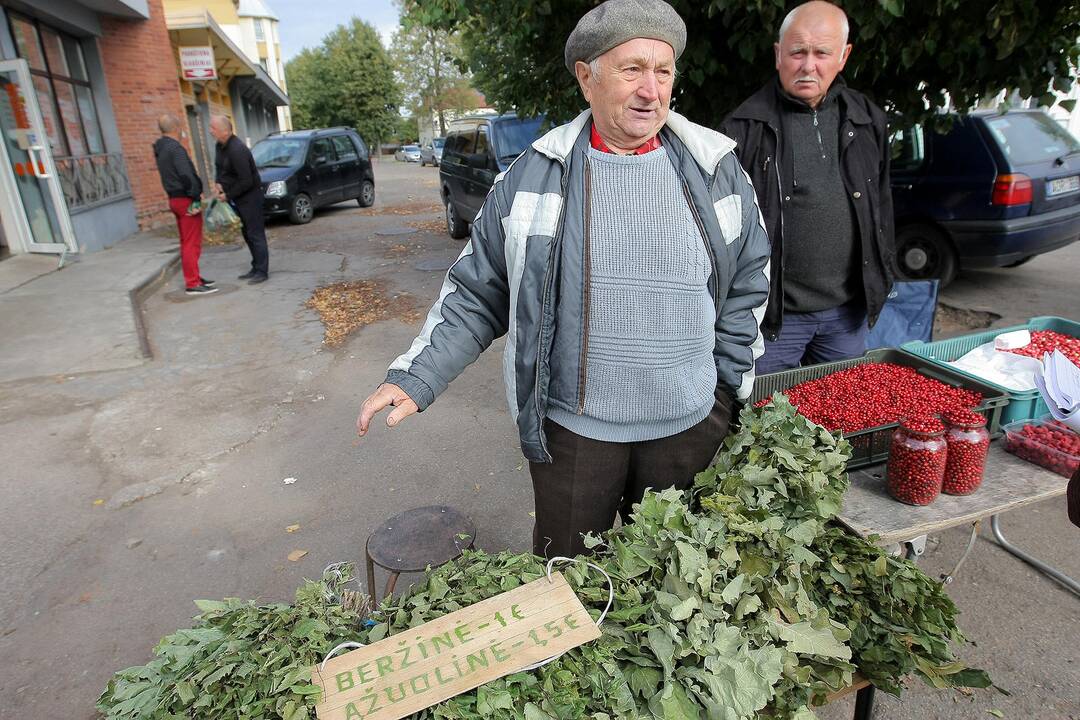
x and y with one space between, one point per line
431 153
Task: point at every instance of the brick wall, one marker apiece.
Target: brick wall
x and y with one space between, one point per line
141 72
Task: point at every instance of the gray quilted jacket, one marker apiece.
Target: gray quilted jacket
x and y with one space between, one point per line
527 241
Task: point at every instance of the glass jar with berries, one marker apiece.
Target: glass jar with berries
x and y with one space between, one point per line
968 442
917 460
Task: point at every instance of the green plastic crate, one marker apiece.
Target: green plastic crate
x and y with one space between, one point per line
872 445
1023 405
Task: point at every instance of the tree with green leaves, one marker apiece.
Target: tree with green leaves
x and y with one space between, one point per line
346 80
909 56
428 61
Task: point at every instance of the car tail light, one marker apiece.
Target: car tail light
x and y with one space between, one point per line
1011 190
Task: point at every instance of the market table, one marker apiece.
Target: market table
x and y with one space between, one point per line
1008 483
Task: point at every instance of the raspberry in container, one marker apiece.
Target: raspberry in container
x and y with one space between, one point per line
968 443
917 459
1044 442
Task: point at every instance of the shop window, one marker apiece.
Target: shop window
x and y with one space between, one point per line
26 42
63 89
47 103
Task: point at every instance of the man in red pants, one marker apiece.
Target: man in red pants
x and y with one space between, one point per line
184 188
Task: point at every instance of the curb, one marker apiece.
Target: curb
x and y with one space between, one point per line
145 289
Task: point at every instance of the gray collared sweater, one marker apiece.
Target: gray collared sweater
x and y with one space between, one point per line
649 370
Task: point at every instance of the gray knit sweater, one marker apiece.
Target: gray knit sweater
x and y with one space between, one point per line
649 370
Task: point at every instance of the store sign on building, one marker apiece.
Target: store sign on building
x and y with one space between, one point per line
197 63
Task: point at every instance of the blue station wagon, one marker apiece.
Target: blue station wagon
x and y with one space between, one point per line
995 191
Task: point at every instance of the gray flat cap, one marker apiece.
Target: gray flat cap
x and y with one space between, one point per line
614 22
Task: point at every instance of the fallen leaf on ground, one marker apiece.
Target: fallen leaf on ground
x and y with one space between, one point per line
296 555
432 226
346 306
292 528
409 208
99 501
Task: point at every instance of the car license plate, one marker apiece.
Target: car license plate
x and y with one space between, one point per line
1063 185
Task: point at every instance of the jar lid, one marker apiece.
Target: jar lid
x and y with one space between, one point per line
928 424
964 417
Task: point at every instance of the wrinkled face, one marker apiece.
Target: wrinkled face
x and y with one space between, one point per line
631 93
220 131
811 54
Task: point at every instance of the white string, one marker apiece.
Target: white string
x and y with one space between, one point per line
610 601
342 646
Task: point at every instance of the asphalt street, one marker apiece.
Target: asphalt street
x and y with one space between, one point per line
129 493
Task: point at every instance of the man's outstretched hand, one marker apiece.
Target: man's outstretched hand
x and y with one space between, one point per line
385 394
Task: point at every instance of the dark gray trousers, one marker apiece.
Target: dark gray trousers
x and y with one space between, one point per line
589 481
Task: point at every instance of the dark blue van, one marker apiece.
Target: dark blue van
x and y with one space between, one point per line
476 150
996 190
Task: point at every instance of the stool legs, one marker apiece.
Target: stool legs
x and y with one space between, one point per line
390 583
371 580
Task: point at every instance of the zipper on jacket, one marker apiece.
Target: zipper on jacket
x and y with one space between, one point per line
543 307
586 276
705 240
780 197
820 141
765 165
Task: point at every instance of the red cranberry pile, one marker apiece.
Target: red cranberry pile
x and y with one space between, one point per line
874 394
917 460
968 442
1052 445
1046 341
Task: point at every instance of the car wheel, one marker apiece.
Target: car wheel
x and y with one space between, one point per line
367 194
301 211
924 253
1019 262
457 227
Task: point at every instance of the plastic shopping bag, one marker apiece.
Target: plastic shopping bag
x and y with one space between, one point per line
908 315
219 216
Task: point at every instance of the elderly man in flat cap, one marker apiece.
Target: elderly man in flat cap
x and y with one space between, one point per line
624 258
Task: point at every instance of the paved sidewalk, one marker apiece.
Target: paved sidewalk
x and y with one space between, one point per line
82 317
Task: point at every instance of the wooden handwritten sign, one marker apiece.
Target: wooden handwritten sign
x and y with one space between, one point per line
425 665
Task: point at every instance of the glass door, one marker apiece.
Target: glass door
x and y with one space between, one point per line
33 199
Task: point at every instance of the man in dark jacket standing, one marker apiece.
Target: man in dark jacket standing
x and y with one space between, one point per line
184 188
238 181
818 155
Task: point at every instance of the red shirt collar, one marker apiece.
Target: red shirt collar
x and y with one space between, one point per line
598 143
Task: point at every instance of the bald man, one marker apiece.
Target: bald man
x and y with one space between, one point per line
237 180
818 155
184 188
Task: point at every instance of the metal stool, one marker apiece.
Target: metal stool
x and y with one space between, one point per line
415 540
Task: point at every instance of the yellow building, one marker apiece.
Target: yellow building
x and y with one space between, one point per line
222 71
259 39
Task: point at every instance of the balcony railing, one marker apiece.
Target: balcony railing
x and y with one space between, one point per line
87 180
